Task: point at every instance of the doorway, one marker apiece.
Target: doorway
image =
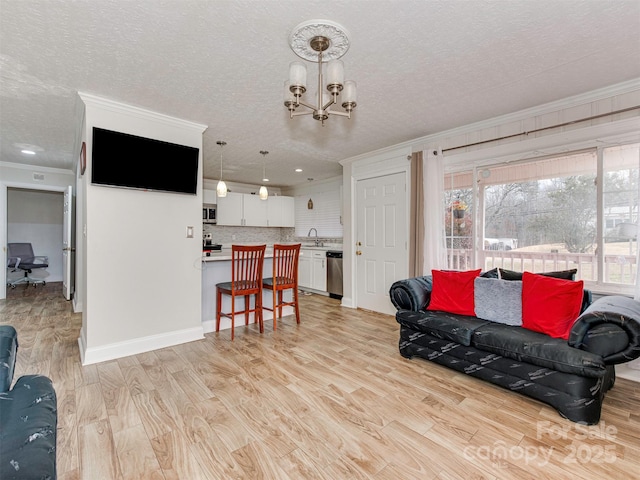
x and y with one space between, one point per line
381 239
33 215
36 216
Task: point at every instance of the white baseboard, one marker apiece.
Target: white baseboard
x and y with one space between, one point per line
347 302
112 351
77 305
624 371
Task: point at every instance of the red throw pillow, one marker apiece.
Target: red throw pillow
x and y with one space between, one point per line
550 305
453 292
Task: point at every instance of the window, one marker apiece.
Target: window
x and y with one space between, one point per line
459 220
620 205
543 215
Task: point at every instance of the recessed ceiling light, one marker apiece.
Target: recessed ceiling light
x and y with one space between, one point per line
28 148
298 170
265 179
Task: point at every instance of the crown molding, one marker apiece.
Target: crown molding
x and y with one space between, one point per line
421 143
130 110
37 168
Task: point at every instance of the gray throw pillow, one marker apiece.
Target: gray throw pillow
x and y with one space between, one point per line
498 300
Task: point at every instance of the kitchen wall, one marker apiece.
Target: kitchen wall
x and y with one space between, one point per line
230 235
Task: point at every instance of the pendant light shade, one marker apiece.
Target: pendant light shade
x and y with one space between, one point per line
263 193
221 189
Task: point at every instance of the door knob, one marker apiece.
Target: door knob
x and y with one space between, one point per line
358 252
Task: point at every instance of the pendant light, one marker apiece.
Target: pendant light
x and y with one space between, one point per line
263 193
221 189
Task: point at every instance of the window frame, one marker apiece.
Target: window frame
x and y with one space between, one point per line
478 231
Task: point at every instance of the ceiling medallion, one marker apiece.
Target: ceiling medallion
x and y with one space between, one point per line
301 37
319 41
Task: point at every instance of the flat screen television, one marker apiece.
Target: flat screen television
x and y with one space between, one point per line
123 160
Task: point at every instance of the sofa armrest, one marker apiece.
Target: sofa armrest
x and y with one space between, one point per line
8 351
28 429
609 327
411 294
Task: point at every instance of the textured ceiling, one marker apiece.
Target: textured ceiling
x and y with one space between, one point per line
421 67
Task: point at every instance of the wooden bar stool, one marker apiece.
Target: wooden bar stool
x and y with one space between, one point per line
246 280
285 277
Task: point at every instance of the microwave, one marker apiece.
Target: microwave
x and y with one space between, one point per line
208 213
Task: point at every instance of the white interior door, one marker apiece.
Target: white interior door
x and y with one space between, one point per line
381 239
67 245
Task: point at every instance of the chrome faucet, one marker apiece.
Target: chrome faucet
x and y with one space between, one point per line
317 242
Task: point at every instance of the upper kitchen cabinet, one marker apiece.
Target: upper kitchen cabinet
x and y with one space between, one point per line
230 209
255 211
209 196
281 212
247 210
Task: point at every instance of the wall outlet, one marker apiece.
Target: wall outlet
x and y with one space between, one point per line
189 232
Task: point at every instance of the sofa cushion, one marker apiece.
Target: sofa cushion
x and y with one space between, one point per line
550 305
452 292
449 326
563 274
538 349
498 300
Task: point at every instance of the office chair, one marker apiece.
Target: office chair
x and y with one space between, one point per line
21 257
246 280
285 277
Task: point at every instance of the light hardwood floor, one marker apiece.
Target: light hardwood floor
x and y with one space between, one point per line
330 399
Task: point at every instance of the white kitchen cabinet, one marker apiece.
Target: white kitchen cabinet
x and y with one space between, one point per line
281 212
230 209
312 269
209 197
247 210
255 211
319 270
288 211
304 268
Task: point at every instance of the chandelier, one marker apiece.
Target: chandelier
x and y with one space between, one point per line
319 41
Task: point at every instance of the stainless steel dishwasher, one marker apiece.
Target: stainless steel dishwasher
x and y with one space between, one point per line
334 273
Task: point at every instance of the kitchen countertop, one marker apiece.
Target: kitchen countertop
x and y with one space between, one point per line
225 253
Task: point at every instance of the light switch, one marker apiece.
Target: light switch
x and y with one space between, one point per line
189 232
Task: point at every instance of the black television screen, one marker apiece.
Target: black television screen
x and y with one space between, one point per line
123 160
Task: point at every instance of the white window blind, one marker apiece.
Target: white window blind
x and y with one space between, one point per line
325 215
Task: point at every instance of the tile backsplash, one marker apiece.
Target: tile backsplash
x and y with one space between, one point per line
229 235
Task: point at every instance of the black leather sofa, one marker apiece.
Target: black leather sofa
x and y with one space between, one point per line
28 419
572 376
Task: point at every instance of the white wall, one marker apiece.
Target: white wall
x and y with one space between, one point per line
36 216
28 177
142 273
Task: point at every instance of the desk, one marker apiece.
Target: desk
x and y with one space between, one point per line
216 268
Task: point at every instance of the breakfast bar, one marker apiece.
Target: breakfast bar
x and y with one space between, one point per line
216 268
